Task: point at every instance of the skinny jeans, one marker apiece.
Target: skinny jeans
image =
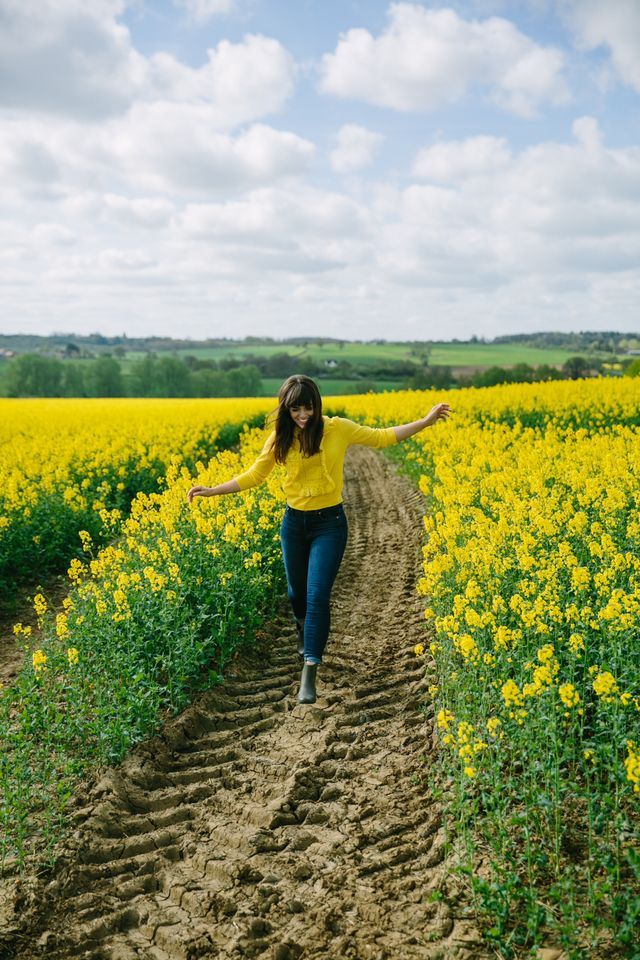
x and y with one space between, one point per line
313 544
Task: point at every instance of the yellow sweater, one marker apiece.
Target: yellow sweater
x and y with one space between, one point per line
311 483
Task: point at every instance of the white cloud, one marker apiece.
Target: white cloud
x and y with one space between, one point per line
54 234
356 148
614 24
147 212
457 159
176 147
555 209
298 231
240 81
279 216
126 259
155 148
587 132
174 134
202 10
428 58
67 57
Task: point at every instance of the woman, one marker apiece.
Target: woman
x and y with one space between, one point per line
314 529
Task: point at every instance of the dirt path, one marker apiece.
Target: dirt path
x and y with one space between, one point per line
256 827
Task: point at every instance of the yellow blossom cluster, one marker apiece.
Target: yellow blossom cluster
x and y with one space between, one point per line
632 764
39 660
462 739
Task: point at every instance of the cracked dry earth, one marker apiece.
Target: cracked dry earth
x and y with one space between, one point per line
253 826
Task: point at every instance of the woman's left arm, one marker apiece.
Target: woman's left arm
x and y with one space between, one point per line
440 412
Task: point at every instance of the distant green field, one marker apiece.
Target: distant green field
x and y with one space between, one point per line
371 354
450 354
495 355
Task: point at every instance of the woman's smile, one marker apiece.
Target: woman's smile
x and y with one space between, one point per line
300 415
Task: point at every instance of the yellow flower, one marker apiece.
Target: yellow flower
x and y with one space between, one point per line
511 693
444 719
467 647
632 764
87 542
76 570
605 685
72 655
545 654
493 725
39 660
40 604
568 694
576 642
418 649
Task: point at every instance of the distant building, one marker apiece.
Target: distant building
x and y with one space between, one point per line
331 363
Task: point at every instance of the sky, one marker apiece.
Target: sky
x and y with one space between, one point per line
341 168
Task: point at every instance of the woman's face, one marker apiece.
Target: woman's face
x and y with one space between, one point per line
301 415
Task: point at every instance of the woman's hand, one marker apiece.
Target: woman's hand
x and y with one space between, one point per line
199 492
440 412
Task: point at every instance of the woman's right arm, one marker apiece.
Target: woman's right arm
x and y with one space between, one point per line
258 472
231 486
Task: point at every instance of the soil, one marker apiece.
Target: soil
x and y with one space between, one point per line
254 826
54 589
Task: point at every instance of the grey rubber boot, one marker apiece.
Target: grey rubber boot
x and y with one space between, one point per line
307 692
300 630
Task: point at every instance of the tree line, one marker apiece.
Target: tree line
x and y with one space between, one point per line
33 375
586 341
442 377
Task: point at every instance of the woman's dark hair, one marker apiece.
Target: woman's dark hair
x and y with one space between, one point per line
297 391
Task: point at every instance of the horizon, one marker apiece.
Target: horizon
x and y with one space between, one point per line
316 339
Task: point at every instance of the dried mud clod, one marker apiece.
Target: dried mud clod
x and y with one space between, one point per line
257 827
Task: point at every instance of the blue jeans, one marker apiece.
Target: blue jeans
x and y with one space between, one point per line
313 543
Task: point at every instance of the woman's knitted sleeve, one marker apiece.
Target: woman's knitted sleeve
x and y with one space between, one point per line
358 433
260 470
